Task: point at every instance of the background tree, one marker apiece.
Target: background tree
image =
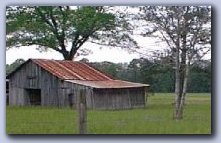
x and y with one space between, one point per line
159 73
109 68
187 32
134 68
65 29
200 77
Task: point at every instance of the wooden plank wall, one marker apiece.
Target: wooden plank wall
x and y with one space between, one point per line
49 89
66 88
119 98
26 77
55 92
31 76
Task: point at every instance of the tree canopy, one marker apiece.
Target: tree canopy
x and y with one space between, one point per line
63 27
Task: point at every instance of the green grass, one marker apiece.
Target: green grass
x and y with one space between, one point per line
155 118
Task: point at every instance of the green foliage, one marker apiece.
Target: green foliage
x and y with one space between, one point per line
87 20
200 77
108 67
59 27
34 24
155 118
158 73
55 26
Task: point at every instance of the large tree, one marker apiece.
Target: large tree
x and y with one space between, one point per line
187 32
65 29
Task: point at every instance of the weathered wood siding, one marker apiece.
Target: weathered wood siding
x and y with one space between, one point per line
67 88
124 98
49 89
31 76
26 77
56 92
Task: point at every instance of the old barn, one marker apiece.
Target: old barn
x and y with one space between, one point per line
58 83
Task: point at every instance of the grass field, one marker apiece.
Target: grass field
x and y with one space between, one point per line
155 118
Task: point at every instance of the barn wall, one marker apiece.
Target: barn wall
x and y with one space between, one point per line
31 76
67 88
137 96
25 77
19 99
55 92
119 98
49 89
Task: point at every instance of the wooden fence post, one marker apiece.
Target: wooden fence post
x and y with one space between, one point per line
82 113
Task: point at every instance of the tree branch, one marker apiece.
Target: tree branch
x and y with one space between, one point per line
43 44
45 19
59 37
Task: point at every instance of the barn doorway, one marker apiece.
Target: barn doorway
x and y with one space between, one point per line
34 96
70 99
7 92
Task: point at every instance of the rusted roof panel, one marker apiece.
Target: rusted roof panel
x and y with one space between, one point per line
71 70
108 84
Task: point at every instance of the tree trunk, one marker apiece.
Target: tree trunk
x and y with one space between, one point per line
184 72
182 103
177 82
65 55
76 44
69 55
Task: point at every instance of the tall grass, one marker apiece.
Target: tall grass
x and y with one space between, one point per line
155 118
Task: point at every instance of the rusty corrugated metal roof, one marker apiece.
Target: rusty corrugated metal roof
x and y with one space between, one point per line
71 70
108 84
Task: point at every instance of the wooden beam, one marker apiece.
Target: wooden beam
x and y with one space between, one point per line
82 112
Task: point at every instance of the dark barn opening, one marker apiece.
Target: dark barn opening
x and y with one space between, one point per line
34 96
70 99
7 92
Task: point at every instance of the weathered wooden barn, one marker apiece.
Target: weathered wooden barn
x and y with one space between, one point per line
58 83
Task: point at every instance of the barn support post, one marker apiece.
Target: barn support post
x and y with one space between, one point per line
82 112
145 96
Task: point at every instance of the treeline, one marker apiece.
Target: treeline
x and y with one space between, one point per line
158 73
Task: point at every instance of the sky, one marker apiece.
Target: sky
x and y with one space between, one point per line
99 53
